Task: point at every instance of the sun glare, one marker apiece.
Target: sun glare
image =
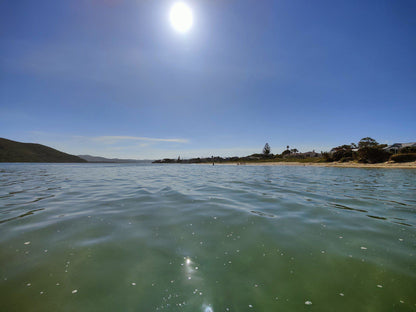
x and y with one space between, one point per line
181 17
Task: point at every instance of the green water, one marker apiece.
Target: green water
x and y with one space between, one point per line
93 237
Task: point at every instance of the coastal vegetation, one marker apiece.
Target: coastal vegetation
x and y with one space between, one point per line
367 150
370 151
266 150
405 157
12 151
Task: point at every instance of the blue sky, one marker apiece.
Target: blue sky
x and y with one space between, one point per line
113 78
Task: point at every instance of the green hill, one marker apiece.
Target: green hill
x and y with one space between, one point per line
11 151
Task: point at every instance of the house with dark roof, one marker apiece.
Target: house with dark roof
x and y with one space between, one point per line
394 148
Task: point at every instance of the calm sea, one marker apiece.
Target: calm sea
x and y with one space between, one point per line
127 237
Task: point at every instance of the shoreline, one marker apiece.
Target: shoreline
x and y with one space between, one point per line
386 165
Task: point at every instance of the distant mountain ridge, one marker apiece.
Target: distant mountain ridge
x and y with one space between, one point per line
98 159
12 151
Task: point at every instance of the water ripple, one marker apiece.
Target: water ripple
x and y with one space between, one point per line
147 237
31 212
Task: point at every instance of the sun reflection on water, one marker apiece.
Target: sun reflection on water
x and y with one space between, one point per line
207 308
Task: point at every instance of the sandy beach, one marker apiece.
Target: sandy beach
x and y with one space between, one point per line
386 165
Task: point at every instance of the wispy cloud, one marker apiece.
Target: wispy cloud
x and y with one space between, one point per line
116 139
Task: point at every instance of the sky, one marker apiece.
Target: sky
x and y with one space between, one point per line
113 78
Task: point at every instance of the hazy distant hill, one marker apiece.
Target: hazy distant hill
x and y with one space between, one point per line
99 159
12 151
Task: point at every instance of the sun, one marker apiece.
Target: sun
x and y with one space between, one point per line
181 17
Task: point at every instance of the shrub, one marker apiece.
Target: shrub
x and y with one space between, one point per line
403 157
345 159
372 155
327 157
342 153
408 150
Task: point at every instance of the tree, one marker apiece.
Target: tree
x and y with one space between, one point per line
327 156
294 150
266 149
367 142
342 152
369 151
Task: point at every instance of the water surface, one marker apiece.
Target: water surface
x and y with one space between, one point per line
127 237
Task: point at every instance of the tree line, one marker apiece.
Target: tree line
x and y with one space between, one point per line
367 150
